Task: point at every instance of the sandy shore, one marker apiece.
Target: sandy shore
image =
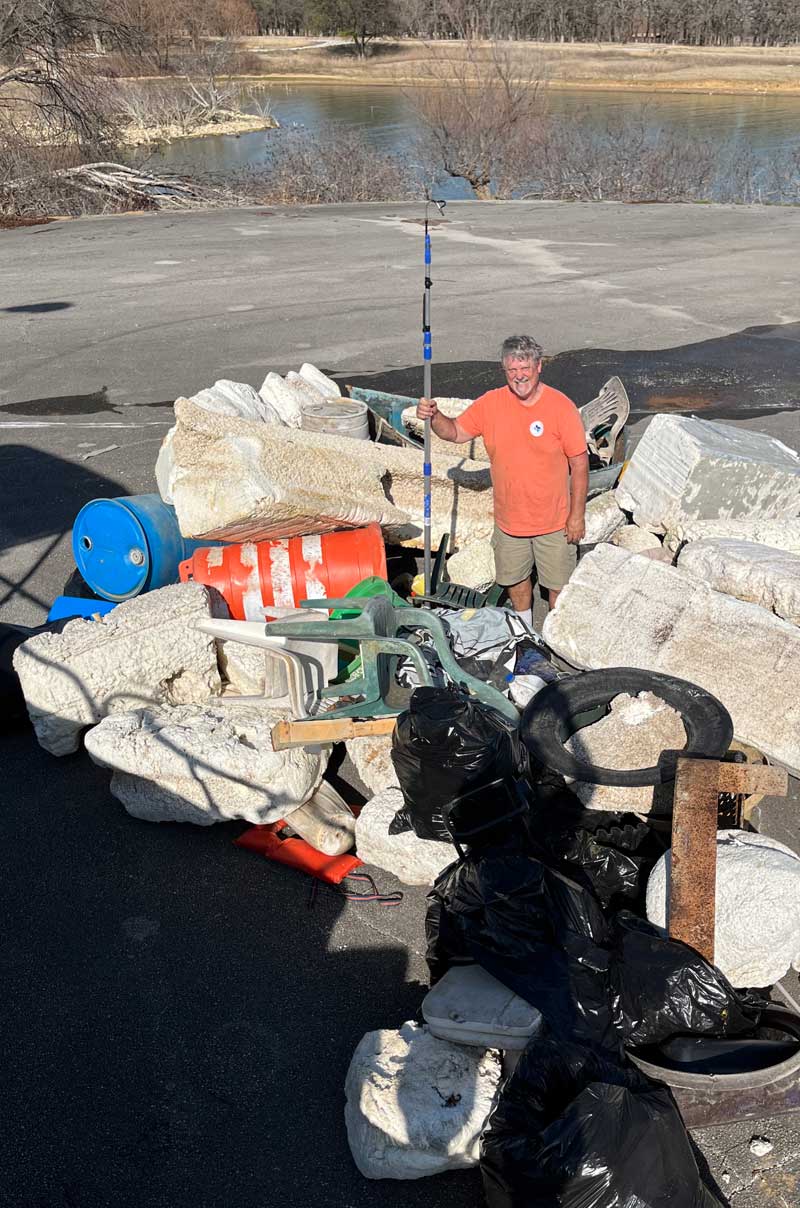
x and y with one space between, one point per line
233 123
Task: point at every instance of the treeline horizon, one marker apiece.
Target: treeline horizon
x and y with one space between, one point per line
671 22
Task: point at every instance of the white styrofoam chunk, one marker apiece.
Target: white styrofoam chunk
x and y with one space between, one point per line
622 610
283 399
236 398
757 936
633 734
372 760
757 573
473 566
417 1105
603 517
146 650
165 466
412 860
687 469
309 395
204 763
780 534
635 539
239 481
320 381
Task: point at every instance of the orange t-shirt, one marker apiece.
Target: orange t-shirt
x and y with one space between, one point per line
528 447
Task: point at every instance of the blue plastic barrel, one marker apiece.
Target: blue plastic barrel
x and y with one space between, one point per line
127 546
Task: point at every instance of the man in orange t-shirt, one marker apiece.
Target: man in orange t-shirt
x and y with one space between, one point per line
540 472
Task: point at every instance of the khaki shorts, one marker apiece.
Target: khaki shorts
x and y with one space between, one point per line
515 557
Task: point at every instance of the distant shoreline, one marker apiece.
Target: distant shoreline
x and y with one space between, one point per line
576 66
708 87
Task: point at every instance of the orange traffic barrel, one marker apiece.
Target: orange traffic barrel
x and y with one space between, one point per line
259 575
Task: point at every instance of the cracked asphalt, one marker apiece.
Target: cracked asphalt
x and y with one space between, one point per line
178 1018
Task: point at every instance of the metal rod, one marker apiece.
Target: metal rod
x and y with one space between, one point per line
427 389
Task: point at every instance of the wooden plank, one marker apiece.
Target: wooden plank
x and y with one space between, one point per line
693 877
753 778
320 730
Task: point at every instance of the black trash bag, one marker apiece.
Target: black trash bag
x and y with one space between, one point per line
445 746
610 853
662 988
573 1130
537 932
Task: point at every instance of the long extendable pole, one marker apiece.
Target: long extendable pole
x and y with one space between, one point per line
427 357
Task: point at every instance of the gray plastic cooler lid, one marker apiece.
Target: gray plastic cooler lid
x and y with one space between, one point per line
469 1006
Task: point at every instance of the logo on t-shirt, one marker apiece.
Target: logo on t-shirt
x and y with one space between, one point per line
536 428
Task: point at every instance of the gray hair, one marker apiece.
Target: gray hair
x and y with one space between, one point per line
524 347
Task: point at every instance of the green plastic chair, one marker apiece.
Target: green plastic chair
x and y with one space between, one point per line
376 631
446 594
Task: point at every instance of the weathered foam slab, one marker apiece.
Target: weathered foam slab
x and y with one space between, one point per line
749 571
204 763
780 534
145 651
240 481
686 469
623 610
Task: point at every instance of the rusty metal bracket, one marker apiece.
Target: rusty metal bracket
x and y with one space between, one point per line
693 880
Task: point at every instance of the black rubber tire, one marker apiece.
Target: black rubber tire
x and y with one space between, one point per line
549 720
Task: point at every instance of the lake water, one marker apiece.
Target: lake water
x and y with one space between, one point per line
764 124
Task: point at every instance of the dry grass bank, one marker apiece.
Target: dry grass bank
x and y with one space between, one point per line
639 67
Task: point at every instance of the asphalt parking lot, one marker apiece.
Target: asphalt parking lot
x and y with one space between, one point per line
179 1015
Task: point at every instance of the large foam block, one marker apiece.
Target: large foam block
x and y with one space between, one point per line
688 469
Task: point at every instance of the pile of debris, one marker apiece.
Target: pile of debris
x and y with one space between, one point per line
219 697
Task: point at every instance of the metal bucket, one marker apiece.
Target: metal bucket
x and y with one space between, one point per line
123 547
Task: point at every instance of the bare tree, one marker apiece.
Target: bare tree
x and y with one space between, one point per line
480 112
333 165
45 65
